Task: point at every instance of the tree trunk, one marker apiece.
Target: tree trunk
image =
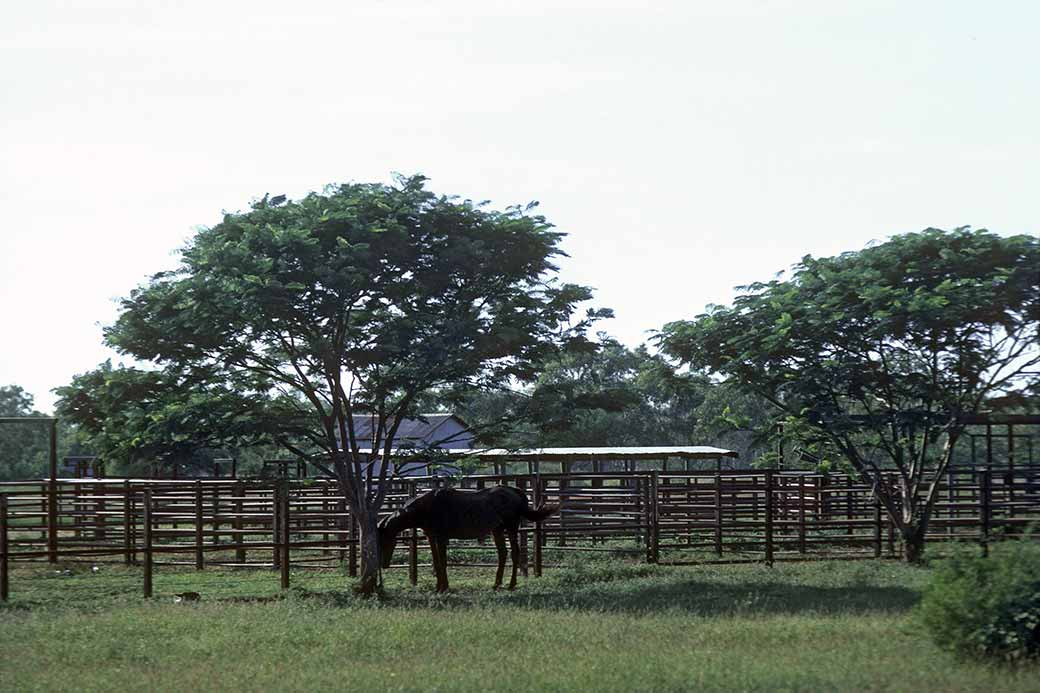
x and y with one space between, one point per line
913 543
370 564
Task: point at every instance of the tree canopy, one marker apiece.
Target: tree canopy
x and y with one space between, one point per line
881 351
133 418
356 300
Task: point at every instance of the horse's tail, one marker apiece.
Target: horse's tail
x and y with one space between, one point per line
540 513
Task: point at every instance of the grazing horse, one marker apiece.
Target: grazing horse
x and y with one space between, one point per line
446 514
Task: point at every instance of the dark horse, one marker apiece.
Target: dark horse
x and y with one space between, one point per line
446 514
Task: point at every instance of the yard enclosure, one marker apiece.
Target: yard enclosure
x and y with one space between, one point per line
662 517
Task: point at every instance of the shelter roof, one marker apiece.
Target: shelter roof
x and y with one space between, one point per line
418 428
692 452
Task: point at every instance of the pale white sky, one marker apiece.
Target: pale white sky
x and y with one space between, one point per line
686 147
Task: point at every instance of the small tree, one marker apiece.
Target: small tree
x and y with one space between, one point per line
882 351
131 416
356 301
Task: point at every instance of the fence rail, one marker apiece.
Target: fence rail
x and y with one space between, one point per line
666 517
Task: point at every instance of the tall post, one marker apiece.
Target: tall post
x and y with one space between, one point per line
566 469
769 517
199 560
538 535
236 524
654 552
1011 470
276 492
284 516
128 525
987 490
877 526
718 514
4 585
848 504
352 563
524 567
413 544
341 525
52 520
147 543
801 513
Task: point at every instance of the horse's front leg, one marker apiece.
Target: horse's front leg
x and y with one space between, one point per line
435 557
500 544
514 550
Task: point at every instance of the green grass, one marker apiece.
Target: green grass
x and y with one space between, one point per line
597 625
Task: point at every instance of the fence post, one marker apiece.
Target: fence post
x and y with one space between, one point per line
522 483
653 554
566 470
98 494
284 517
877 525
128 525
325 509
147 543
341 525
538 535
275 525
413 544
352 537
718 514
801 513
199 561
848 504
987 491
769 517
52 521
4 585
236 524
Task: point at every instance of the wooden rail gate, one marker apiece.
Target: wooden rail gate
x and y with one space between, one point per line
661 517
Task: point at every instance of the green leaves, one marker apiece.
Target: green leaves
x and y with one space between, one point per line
880 350
360 297
874 319
127 415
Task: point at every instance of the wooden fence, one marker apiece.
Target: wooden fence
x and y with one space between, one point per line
663 517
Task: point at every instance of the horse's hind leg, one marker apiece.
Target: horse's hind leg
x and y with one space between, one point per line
514 550
442 580
500 544
435 555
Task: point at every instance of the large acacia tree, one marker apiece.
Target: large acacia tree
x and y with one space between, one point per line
882 352
355 301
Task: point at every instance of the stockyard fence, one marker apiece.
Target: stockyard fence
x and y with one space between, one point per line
660 517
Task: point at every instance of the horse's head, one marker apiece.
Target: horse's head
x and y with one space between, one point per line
387 540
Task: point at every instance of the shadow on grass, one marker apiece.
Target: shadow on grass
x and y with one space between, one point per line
711 599
647 596
639 589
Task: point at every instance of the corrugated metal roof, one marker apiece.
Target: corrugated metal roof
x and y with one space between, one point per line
410 429
618 453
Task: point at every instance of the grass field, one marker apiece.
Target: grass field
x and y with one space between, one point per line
594 626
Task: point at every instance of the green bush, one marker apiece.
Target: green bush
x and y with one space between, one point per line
987 607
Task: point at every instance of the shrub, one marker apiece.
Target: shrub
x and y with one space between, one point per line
987 607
